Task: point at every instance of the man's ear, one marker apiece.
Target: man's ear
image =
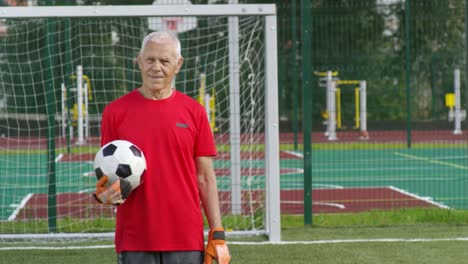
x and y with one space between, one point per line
180 61
137 60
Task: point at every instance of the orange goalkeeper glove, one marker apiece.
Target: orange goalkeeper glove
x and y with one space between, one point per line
216 247
114 194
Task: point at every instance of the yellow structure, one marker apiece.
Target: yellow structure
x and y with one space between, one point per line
450 100
201 90
74 110
325 114
333 113
88 82
208 101
356 103
324 74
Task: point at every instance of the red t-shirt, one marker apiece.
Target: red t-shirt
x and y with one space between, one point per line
164 212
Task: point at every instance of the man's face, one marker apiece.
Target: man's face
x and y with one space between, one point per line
159 63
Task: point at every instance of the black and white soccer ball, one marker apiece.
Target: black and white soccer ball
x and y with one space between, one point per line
120 160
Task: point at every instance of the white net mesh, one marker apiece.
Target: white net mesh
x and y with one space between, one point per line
40 116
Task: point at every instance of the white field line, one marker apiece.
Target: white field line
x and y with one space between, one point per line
59 158
294 153
313 242
56 248
337 205
433 161
340 241
89 174
20 206
87 191
315 186
425 199
320 186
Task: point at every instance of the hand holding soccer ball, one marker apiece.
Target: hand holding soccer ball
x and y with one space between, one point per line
118 166
111 195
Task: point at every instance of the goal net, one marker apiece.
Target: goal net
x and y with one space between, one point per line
61 65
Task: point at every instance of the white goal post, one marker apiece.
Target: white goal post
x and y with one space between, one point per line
238 62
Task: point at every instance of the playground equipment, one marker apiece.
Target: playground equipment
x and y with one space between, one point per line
452 101
208 101
78 115
333 112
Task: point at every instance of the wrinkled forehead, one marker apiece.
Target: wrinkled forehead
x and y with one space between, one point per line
160 49
162 39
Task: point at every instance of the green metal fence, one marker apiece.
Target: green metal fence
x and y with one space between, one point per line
409 53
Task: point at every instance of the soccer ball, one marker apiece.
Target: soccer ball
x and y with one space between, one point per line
120 160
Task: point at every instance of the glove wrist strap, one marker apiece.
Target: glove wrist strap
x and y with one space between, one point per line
219 235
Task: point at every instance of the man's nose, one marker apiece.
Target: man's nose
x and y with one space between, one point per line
156 66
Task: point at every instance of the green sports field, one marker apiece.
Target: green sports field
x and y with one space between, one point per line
429 244
344 180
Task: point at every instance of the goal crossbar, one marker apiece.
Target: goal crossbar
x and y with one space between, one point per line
137 10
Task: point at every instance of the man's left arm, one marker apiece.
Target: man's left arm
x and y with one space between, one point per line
216 247
208 190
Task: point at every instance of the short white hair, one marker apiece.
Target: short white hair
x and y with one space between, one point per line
162 35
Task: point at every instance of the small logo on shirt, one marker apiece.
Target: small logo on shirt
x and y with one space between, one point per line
181 125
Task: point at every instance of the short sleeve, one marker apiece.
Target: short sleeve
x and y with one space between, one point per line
205 144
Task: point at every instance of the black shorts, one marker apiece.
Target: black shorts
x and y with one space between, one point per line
173 257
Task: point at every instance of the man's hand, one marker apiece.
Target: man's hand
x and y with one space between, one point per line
108 195
217 248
